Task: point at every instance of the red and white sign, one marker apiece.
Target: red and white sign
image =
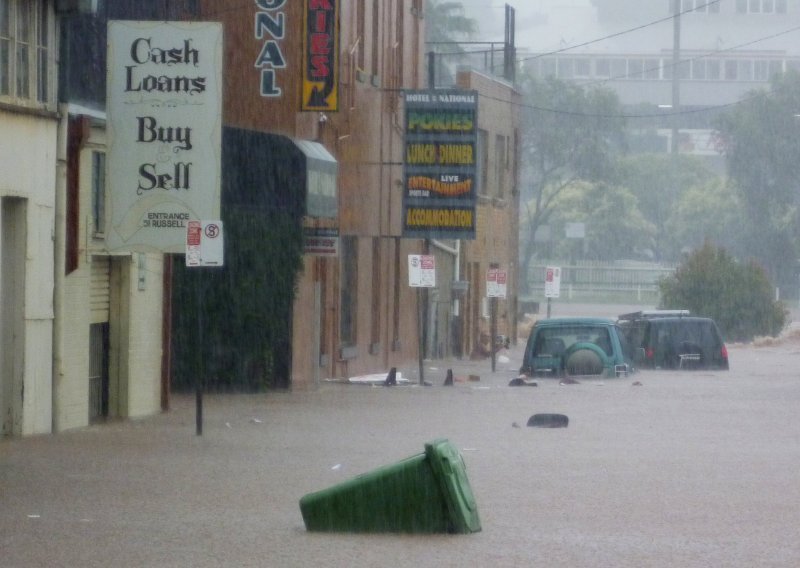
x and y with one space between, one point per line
496 283
552 282
421 271
204 243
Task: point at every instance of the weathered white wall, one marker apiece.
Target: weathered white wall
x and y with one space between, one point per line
135 315
27 171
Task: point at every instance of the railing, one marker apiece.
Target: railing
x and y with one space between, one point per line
620 281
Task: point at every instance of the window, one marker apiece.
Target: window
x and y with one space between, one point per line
548 67
565 68
745 70
698 70
711 6
635 68
500 163
26 52
651 69
602 68
583 67
713 69
483 161
761 6
619 69
760 71
348 291
99 192
730 70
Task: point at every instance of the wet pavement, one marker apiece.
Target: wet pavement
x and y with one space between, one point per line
686 469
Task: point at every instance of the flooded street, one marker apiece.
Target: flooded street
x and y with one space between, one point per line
686 469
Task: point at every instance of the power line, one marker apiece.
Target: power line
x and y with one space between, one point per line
703 56
617 34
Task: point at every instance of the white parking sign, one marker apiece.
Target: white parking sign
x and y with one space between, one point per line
204 243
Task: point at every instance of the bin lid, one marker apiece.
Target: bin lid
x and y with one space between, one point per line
451 472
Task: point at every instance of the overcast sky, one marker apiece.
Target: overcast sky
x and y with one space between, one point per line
540 25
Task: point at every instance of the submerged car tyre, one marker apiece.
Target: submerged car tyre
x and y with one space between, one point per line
585 359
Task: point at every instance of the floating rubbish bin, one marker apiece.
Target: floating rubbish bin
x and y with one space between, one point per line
426 493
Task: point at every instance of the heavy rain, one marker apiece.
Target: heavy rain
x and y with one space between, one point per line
399 283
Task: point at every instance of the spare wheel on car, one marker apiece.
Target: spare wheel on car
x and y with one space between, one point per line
585 359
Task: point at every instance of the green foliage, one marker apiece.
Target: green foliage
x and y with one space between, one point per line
762 147
445 21
709 212
568 134
738 296
615 228
659 182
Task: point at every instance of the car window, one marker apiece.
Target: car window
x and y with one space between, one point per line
554 341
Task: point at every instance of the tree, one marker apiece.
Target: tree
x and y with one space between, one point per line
446 22
738 296
658 181
568 134
615 228
710 212
759 138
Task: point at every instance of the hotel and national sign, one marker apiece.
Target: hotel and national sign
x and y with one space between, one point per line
440 164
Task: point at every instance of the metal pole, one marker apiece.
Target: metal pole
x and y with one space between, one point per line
549 302
676 85
199 378
421 340
493 331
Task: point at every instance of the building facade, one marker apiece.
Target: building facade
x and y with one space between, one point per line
28 133
724 49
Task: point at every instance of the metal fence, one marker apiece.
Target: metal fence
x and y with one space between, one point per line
619 281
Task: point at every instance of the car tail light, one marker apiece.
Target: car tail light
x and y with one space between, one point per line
649 353
724 352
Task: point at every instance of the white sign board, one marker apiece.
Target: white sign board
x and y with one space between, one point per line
204 243
496 286
552 282
575 230
164 108
421 271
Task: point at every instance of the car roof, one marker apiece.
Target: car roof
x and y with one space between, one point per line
652 314
552 322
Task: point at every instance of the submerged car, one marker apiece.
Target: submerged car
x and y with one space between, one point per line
674 339
576 346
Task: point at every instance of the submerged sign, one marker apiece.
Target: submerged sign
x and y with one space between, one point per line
440 164
164 102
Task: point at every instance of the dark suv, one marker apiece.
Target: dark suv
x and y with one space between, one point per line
674 339
576 346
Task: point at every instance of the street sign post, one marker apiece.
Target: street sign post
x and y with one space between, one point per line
552 285
204 247
421 274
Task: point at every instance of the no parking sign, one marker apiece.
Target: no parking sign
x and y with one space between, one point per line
204 243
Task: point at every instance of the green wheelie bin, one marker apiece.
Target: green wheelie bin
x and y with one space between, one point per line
425 493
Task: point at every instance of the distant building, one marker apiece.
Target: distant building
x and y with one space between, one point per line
727 48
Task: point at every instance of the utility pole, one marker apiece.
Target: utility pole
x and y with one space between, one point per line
676 79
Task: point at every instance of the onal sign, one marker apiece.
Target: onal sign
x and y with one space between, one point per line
552 282
164 105
421 271
204 243
440 164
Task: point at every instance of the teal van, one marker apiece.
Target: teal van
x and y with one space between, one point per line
574 346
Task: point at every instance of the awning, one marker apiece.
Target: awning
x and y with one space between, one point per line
321 173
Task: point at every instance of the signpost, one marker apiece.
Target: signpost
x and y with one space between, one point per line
421 274
552 285
495 288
